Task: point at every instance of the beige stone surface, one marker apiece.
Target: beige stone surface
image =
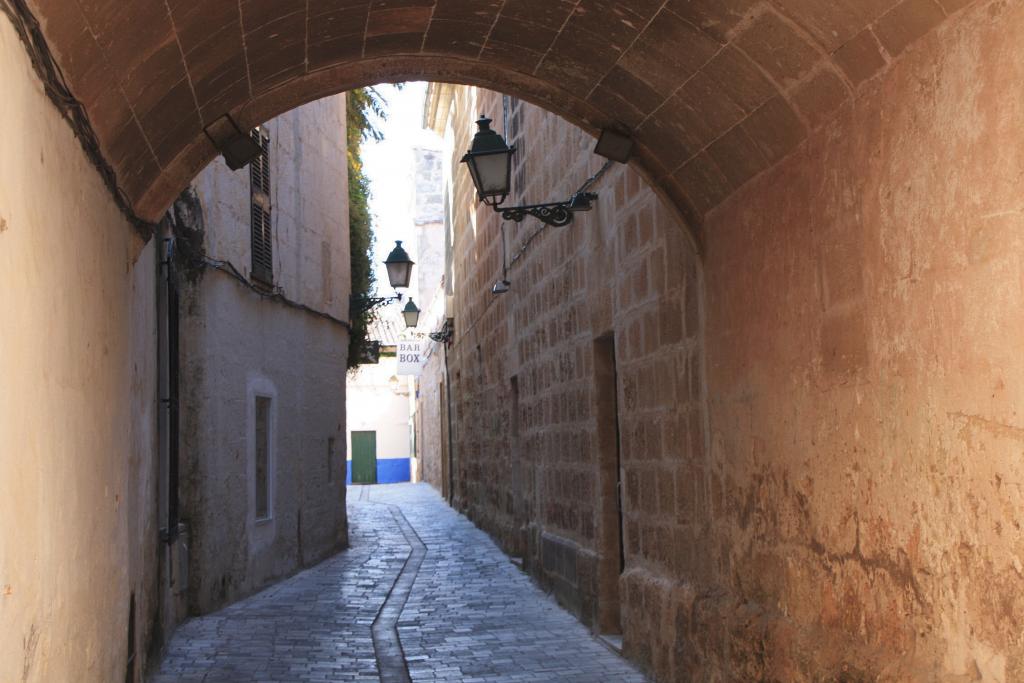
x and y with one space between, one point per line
863 319
839 498
645 66
534 458
77 402
836 498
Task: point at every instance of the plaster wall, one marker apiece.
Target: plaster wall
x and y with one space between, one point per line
430 417
78 529
237 345
428 226
309 200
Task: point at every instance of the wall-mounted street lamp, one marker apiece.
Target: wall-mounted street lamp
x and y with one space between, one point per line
236 145
411 314
446 334
489 163
489 160
399 267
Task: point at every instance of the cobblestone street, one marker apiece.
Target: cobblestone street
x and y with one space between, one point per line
462 611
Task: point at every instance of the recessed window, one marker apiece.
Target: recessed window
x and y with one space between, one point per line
262 238
262 452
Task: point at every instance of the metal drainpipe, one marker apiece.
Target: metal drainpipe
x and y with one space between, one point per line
170 402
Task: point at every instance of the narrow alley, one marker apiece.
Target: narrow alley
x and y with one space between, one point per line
471 614
450 340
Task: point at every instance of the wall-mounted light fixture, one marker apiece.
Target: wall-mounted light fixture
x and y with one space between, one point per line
489 160
399 267
503 285
615 145
411 314
237 146
446 334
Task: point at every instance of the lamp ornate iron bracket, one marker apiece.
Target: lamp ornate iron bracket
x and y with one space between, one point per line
557 214
361 304
445 334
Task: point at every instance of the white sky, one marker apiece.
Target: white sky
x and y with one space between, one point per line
389 166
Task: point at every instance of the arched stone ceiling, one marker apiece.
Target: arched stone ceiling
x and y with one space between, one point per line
714 91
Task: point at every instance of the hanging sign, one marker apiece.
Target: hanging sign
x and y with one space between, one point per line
410 357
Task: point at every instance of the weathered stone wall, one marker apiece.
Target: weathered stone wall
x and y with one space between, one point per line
698 82
865 381
236 344
838 498
78 480
535 460
309 207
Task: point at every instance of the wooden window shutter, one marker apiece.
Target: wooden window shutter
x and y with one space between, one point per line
262 238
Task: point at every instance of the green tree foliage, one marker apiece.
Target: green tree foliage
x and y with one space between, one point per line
365 108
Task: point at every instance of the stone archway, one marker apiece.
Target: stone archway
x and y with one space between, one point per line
876 350
714 92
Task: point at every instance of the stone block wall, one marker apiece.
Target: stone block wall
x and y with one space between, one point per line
865 381
534 461
818 418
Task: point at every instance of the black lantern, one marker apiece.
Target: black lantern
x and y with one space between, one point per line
399 266
411 314
489 160
399 273
490 163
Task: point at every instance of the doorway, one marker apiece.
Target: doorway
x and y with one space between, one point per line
446 489
612 556
364 457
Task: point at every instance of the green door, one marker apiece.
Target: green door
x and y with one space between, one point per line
364 457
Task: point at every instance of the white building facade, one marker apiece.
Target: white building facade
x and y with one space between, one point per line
262 267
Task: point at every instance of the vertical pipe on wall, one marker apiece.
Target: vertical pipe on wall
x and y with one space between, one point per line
451 444
174 373
169 403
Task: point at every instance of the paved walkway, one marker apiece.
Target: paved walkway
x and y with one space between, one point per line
417 570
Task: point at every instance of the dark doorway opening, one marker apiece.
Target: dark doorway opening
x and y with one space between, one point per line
522 479
129 674
446 485
612 561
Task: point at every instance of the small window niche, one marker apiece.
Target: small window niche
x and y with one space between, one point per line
264 458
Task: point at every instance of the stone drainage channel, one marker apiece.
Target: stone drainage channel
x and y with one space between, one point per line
421 595
386 643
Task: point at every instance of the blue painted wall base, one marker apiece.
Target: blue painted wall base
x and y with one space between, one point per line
389 470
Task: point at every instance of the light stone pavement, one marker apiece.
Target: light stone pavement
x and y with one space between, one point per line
470 615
